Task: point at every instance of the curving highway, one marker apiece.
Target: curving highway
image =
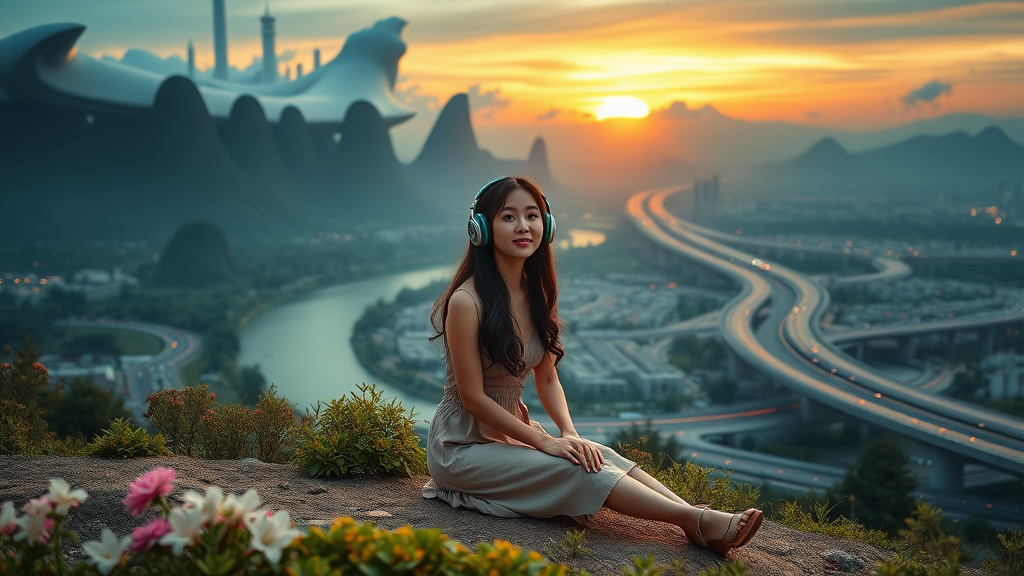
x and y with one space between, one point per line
789 348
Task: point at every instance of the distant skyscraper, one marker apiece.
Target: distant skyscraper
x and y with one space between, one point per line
298 71
220 41
269 55
191 60
316 58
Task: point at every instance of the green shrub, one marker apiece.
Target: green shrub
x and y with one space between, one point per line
1010 561
14 429
694 483
359 434
911 565
570 546
124 440
178 415
225 432
728 569
925 536
643 566
273 427
818 521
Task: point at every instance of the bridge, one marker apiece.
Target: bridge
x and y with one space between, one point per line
789 348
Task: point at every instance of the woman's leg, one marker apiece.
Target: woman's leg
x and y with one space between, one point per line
649 481
633 498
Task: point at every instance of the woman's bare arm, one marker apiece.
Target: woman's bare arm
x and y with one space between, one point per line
551 395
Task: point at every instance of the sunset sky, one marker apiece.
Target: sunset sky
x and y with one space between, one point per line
850 64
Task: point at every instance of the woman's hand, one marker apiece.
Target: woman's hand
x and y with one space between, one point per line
576 449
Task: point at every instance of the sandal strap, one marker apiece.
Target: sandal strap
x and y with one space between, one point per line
700 535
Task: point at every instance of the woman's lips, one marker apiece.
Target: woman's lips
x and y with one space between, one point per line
522 241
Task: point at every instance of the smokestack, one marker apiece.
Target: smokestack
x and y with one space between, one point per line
316 58
191 60
269 55
220 41
298 71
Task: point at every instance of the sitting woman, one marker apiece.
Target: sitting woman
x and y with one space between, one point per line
499 320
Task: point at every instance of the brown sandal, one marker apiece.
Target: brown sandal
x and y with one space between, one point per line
743 535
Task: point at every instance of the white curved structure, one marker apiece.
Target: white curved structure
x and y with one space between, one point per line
42 65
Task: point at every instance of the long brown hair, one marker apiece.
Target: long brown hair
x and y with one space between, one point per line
497 334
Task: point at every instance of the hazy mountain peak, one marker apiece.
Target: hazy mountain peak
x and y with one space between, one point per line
452 135
824 149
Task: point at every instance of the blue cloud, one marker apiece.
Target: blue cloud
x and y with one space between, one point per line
929 92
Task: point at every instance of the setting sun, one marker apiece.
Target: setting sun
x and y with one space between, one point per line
622 107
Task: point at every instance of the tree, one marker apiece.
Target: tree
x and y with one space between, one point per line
650 440
85 409
251 383
877 490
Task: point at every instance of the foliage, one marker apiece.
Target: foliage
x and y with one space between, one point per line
818 520
359 434
690 353
570 546
25 386
924 535
662 449
84 408
643 566
124 440
878 487
273 423
903 564
694 483
233 535
1010 561
196 425
727 569
225 432
178 414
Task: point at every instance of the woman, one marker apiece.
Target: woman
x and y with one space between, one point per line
498 319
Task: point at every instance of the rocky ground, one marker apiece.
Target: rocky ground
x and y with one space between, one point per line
394 502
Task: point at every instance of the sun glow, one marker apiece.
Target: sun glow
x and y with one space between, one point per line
622 107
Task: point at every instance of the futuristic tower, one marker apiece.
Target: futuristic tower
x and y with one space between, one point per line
220 41
269 54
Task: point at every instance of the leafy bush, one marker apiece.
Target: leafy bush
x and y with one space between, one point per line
571 546
359 434
925 536
728 569
225 432
818 521
84 408
124 440
217 534
694 483
273 423
178 414
15 429
1011 554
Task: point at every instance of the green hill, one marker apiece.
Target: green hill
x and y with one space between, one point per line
196 257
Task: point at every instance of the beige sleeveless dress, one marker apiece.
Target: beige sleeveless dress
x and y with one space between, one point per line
474 466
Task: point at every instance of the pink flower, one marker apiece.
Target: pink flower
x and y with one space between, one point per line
144 537
154 484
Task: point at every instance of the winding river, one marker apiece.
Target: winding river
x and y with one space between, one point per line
303 345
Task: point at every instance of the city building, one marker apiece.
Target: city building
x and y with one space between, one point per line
1004 373
269 53
191 60
220 41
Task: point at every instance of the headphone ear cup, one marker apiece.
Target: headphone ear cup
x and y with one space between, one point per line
549 228
479 234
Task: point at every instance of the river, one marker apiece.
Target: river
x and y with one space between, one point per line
303 345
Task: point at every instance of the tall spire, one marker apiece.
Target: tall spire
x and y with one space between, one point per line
191 60
269 53
220 41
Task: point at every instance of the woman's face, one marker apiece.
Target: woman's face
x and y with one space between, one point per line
518 227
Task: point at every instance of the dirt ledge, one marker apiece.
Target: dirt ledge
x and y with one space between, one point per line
394 502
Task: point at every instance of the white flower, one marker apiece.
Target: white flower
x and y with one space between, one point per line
63 497
36 523
238 507
270 534
8 518
186 526
106 553
209 504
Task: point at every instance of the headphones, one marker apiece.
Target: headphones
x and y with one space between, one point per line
480 228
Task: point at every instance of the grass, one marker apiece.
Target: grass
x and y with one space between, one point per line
129 342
